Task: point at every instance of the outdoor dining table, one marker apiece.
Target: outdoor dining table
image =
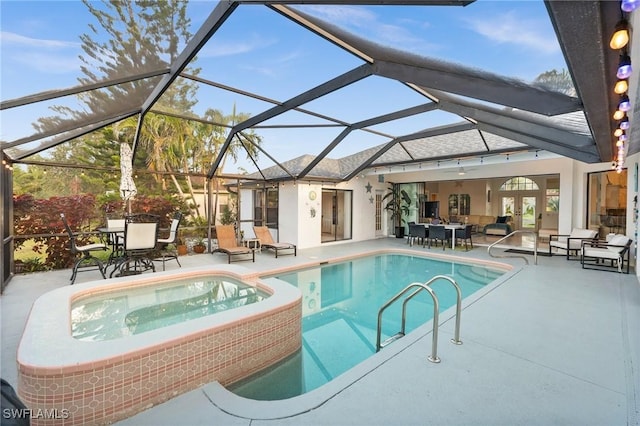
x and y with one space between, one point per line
452 227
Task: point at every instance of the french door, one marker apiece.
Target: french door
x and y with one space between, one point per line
522 209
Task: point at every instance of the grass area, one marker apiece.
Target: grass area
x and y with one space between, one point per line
25 253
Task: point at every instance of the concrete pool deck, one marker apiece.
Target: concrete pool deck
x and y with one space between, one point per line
553 344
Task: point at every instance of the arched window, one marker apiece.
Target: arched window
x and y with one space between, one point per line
519 183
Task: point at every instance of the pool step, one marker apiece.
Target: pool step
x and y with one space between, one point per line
391 339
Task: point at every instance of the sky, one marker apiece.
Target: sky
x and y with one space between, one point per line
260 51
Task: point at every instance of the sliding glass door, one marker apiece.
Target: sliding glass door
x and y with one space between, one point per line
336 215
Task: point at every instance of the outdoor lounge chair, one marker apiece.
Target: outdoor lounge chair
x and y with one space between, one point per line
266 241
572 242
603 255
228 243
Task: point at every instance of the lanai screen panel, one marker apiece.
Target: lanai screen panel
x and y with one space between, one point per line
486 32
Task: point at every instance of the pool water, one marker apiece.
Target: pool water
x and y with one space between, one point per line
340 304
133 310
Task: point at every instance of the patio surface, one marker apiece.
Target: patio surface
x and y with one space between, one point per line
552 344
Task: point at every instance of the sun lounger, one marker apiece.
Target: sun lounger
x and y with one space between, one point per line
266 241
227 243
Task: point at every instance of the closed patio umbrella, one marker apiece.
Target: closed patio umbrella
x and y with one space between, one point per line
128 188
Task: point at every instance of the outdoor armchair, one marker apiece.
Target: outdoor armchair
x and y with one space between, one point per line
571 243
607 255
266 241
87 261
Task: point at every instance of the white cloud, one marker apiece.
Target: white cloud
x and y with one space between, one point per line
9 39
218 48
369 24
44 55
48 63
343 15
512 29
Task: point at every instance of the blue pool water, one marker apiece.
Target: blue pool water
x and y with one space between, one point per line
340 304
133 310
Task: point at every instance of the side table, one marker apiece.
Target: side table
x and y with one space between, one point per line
253 244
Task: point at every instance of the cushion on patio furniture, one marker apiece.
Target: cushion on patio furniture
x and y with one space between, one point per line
617 243
615 249
573 241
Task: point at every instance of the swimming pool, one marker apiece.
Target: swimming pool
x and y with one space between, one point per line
129 311
340 304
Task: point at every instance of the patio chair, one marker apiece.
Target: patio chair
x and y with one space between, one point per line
418 232
140 240
115 239
409 237
228 243
165 253
87 261
571 243
266 241
607 255
465 234
439 233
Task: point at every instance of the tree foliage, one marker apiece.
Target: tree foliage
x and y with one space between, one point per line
559 81
36 217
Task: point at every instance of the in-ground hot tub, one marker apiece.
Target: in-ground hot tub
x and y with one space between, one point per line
117 371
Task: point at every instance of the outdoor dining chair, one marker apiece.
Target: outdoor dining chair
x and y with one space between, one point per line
87 261
418 232
438 233
140 239
465 234
166 253
115 239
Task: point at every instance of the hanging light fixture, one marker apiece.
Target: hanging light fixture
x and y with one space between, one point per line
461 171
620 36
624 123
624 67
624 104
618 115
629 5
621 86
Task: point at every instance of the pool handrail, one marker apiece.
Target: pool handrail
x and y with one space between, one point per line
518 231
436 307
456 338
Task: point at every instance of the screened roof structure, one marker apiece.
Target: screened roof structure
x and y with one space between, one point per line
347 102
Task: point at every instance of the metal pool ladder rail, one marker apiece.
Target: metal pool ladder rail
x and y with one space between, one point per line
436 307
519 231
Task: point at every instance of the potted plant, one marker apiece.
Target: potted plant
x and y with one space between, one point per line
181 247
398 203
198 245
